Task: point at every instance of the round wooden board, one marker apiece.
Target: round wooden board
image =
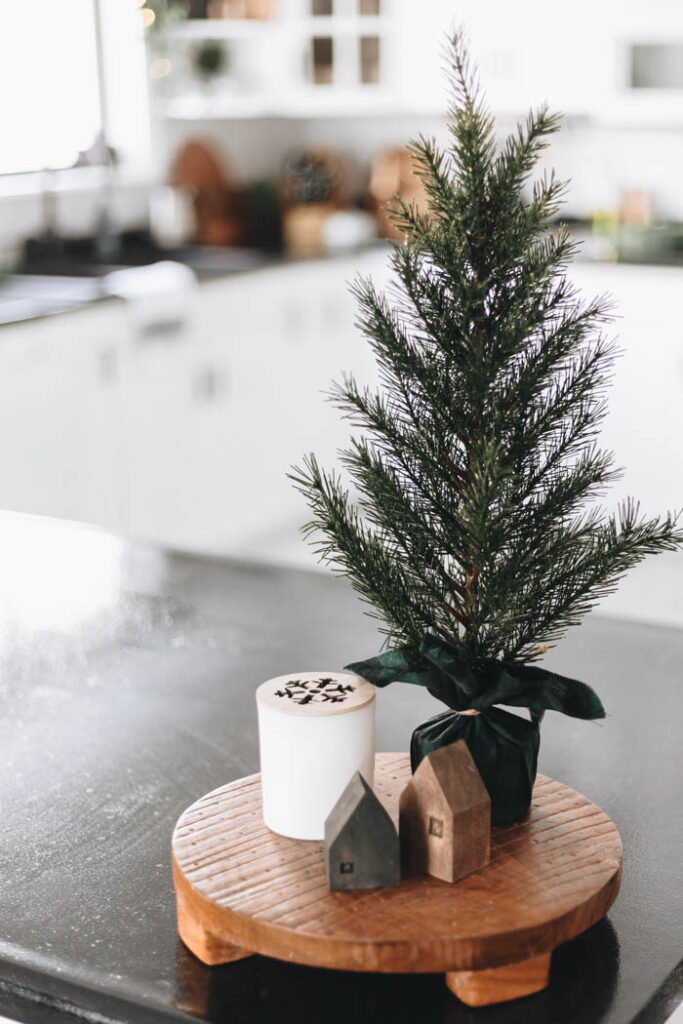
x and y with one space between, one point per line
243 889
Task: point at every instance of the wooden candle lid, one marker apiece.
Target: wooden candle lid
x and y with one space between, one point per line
316 693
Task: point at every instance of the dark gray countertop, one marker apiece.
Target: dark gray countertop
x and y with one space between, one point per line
27 297
126 689
72 283
65 284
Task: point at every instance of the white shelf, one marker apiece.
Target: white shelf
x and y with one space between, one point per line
305 106
332 101
222 28
216 108
272 57
643 108
359 25
250 28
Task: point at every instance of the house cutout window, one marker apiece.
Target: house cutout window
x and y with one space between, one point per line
346 867
436 827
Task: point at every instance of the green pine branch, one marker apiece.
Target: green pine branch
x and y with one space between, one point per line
476 465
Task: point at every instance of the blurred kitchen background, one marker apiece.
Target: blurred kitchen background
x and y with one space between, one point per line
186 189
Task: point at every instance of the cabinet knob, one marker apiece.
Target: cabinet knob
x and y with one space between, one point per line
107 365
208 384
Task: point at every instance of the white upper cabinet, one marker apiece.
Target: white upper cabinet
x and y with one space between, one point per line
645 58
517 47
585 59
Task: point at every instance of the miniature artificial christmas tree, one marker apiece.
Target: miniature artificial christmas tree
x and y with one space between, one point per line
475 536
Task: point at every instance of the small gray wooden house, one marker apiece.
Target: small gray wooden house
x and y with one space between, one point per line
361 843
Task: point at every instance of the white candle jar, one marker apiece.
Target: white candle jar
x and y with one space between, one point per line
315 730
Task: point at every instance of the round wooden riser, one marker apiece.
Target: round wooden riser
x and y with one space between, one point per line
241 889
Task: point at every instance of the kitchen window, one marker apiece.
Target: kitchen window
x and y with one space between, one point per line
59 87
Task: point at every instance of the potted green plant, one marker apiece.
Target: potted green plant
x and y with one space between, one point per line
475 536
210 61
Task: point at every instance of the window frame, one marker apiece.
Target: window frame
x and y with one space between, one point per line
136 165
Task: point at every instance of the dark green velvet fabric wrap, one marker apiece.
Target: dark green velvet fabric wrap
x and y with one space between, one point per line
503 746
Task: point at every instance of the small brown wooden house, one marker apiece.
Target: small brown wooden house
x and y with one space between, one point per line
445 816
361 843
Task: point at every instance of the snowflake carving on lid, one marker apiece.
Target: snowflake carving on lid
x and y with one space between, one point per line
324 690
319 693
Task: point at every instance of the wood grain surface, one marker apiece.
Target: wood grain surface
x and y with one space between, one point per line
361 848
500 984
239 885
445 816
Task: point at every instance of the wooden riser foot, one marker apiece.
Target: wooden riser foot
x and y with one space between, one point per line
208 948
500 984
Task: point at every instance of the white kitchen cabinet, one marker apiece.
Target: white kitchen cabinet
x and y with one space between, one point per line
581 67
517 52
101 333
632 24
56 426
266 350
187 395
225 434
37 425
186 436
155 433
216 412
643 426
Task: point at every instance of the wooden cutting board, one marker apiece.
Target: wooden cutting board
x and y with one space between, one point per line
216 202
242 889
